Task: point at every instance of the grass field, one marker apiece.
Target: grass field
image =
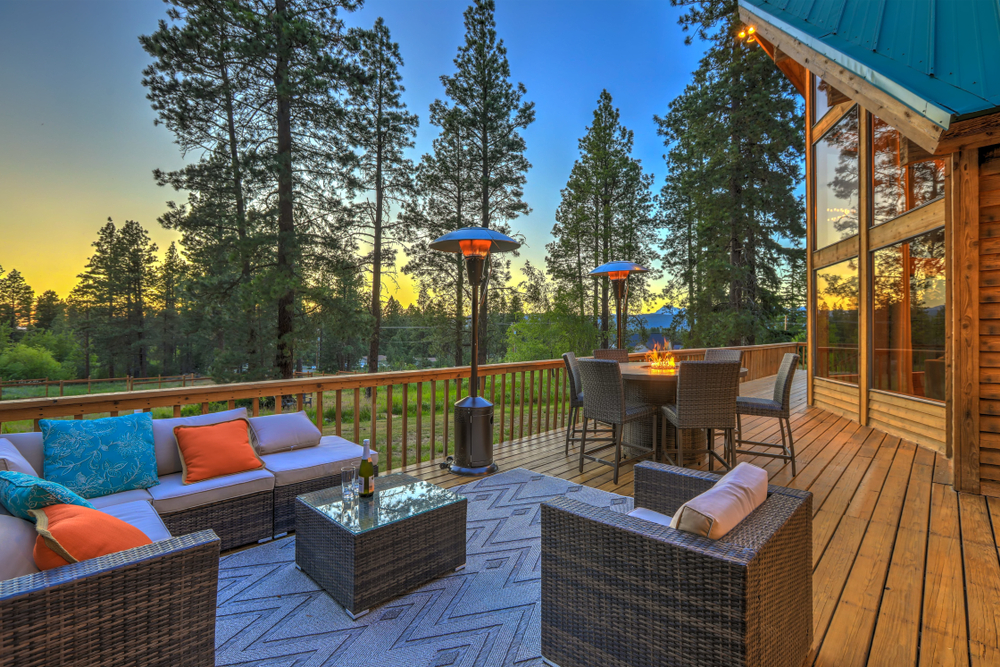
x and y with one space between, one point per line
432 430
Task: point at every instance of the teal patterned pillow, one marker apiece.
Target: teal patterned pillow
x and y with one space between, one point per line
98 457
20 493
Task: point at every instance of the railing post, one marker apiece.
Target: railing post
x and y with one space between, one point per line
503 401
319 410
420 415
406 417
357 415
446 402
388 428
337 411
433 420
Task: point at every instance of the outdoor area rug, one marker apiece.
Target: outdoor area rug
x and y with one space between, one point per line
488 614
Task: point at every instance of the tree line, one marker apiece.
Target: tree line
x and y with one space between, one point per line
301 202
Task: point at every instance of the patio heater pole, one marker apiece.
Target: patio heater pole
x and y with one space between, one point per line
618 273
473 414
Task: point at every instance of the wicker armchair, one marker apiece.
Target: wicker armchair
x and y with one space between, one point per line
621 356
619 591
706 399
604 401
723 354
152 605
779 407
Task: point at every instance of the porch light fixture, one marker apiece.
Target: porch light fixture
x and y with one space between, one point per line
473 414
618 273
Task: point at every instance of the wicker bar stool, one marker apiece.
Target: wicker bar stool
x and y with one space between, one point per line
604 401
706 399
575 396
778 407
621 356
722 354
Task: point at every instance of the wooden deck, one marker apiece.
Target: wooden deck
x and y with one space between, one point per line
907 571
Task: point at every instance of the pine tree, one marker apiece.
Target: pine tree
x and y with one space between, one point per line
491 110
380 127
16 300
171 276
735 140
49 310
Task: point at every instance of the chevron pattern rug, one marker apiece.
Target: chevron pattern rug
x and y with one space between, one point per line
488 614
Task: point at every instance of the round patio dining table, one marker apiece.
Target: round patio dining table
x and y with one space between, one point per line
645 384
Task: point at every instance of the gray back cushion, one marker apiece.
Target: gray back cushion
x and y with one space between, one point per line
30 446
168 459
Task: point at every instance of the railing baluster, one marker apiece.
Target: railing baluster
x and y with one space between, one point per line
447 400
337 411
531 400
541 379
406 416
520 419
433 420
204 407
300 402
388 428
277 404
548 397
319 410
374 410
255 406
232 403
503 402
357 415
420 426
177 411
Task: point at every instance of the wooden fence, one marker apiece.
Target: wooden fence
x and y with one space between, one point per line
534 398
131 383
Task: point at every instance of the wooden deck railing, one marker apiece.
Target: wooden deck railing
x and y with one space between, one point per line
407 416
94 385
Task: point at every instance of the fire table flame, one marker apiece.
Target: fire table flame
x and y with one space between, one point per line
661 359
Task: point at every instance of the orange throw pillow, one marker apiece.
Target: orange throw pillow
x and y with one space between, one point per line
215 450
71 533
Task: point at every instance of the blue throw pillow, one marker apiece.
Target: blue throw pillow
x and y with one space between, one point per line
20 493
98 457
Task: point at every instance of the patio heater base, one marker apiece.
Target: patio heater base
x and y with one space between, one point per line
473 438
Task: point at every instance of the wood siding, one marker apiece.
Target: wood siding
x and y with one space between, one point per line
918 420
836 397
989 320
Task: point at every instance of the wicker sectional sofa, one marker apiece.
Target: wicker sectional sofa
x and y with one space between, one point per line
153 605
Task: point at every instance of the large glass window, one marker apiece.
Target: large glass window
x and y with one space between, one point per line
836 169
837 322
896 188
908 327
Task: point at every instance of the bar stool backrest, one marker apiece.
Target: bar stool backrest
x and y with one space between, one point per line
722 354
603 391
575 384
706 394
621 356
783 382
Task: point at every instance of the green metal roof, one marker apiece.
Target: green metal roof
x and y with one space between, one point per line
939 57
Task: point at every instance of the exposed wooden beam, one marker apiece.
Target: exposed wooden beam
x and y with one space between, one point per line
836 253
910 224
831 118
910 152
921 130
971 133
793 71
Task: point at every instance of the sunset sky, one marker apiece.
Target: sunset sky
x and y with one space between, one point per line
78 144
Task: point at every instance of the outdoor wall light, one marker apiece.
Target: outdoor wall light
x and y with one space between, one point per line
473 414
618 273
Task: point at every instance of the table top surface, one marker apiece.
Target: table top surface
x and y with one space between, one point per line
397 497
644 370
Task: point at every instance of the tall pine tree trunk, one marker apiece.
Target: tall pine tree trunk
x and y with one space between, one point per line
284 360
376 304
484 316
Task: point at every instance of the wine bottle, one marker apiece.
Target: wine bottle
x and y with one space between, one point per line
366 471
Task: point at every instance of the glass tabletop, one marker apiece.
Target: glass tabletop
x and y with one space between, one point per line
397 497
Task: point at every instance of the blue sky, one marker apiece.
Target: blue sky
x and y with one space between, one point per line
79 145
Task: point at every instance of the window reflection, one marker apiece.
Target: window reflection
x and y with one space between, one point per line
836 169
909 317
837 322
896 188
825 97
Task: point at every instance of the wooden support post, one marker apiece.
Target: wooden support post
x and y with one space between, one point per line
864 263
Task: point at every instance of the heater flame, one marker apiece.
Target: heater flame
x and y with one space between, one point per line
661 359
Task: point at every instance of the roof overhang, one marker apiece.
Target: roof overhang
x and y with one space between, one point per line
929 125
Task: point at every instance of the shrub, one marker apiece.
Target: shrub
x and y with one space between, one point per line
22 362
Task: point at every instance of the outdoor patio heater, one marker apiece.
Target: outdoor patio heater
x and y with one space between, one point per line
474 414
618 273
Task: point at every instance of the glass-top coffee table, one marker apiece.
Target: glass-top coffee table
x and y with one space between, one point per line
374 549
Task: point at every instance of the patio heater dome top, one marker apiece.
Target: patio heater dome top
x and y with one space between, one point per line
618 267
451 242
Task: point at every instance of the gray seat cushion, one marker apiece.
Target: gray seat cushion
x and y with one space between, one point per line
31 447
118 498
141 515
17 547
761 407
172 495
325 460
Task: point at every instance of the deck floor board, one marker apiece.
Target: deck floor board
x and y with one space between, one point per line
907 572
